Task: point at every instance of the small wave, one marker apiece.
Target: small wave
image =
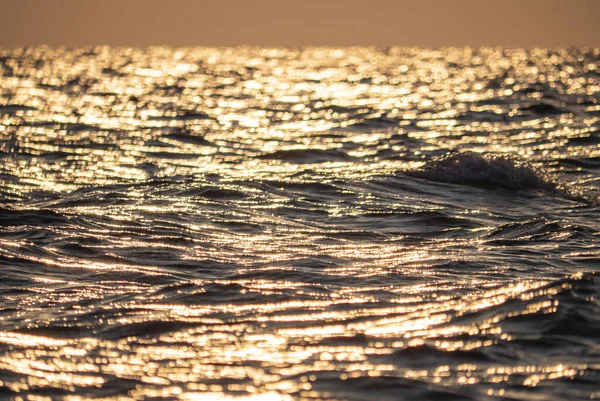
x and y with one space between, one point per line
585 162
308 156
188 137
376 122
485 170
543 108
13 108
42 217
181 115
537 229
498 171
574 314
421 356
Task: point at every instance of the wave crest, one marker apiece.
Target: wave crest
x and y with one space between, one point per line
490 170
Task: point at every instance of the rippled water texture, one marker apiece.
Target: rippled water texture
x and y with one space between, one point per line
300 224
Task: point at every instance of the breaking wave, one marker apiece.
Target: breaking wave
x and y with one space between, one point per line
488 170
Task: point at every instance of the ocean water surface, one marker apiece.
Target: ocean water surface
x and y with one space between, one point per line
261 224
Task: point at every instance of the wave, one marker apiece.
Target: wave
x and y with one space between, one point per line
308 156
543 109
9 218
488 170
537 229
189 138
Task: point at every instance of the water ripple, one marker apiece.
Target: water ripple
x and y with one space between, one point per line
299 224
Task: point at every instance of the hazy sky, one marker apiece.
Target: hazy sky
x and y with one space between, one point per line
302 22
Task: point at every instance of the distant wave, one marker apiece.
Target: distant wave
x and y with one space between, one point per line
308 156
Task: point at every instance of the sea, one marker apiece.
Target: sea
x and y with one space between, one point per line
288 224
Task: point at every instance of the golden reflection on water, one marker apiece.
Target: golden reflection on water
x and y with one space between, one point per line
226 117
285 357
125 110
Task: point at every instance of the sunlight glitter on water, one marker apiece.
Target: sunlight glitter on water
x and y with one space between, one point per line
299 224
